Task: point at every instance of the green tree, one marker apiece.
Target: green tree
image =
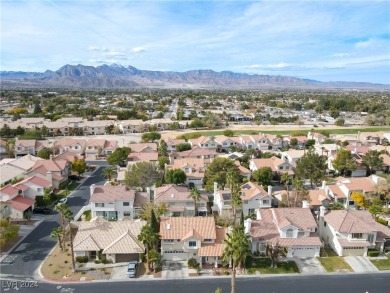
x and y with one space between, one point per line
154 222
339 122
334 113
228 133
336 206
5 131
235 201
7 232
263 176
217 170
44 153
311 166
162 149
344 162
181 147
47 193
159 209
119 156
236 251
142 175
162 161
79 166
211 120
274 253
293 142
376 207
109 173
196 123
149 238
153 258
175 176
372 161
151 136
57 233
195 196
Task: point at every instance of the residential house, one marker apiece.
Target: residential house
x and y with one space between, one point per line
133 158
3 149
292 228
97 127
183 238
117 241
352 232
24 147
318 198
147 147
317 137
76 146
293 156
116 202
99 147
172 143
131 126
161 124
386 163
244 172
194 169
204 142
178 200
224 143
222 201
278 166
253 197
196 152
55 171
247 143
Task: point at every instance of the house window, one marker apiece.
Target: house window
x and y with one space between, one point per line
290 233
168 240
357 235
265 201
39 189
126 204
245 202
126 214
192 243
99 205
370 238
281 168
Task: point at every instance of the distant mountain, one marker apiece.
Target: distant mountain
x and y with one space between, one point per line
119 77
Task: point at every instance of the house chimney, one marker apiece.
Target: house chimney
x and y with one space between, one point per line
49 176
258 214
215 188
305 204
83 218
92 189
248 225
149 194
51 157
269 190
322 211
323 184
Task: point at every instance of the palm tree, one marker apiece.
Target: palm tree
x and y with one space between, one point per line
237 249
62 208
154 258
57 233
235 201
195 196
68 215
286 180
109 172
148 237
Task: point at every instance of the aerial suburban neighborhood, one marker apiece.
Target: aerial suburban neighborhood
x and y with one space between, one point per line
171 197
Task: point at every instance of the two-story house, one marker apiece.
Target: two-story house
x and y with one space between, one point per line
24 147
178 200
222 201
224 143
278 166
196 152
253 197
292 228
352 232
76 146
172 143
193 168
204 142
99 147
183 238
116 202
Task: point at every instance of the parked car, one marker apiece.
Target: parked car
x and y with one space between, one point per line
132 269
42 210
63 200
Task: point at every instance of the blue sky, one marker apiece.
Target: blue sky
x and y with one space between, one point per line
322 40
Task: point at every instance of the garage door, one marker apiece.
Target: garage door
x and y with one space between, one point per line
353 251
126 257
304 251
175 255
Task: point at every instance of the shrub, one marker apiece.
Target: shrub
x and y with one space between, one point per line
193 263
103 259
373 253
65 261
82 259
96 261
381 221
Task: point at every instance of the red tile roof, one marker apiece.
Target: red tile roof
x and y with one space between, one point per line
9 190
21 203
110 193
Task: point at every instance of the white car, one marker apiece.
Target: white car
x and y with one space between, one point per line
63 200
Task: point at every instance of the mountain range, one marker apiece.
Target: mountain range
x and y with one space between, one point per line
119 77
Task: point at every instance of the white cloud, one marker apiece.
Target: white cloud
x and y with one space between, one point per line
138 49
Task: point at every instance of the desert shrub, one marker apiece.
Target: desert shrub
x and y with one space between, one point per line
82 259
373 253
193 263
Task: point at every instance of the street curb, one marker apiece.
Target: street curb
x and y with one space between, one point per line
20 240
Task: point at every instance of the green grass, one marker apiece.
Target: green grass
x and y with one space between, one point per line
72 186
341 130
334 263
382 264
263 265
88 216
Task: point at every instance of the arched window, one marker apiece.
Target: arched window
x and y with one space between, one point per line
289 233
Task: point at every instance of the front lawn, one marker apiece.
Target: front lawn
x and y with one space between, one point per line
382 264
263 265
334 264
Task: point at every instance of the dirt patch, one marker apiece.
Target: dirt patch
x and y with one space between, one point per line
58 267
8 246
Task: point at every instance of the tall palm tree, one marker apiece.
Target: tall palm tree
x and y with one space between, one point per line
195 196
61 209
149 238
286 180
235 201
57 233
109 172
237 249
68 215
230 179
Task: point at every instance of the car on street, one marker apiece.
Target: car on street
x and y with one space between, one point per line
132 269
62 200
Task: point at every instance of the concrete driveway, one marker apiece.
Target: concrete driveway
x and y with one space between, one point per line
360 264
309 265
174 270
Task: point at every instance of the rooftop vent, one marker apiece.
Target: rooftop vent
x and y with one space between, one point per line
172 195
169 226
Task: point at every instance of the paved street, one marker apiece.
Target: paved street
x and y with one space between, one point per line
35 247
351 283
172 109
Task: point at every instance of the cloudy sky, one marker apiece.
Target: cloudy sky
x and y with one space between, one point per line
322 40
